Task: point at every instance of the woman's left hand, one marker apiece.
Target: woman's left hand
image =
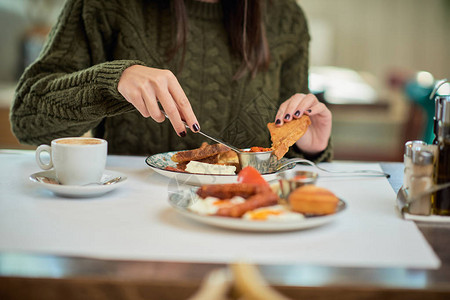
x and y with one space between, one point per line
316 137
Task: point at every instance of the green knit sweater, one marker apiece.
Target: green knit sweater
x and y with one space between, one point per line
72 87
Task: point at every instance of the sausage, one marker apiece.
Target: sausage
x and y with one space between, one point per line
228 191
253 202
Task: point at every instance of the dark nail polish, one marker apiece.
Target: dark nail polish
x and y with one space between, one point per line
297 113
308 110
278 122
287 116
196 127
183 133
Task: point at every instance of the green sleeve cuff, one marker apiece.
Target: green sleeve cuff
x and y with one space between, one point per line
109 73
107 78
325 156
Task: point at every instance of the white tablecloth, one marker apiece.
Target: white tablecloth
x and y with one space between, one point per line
136 222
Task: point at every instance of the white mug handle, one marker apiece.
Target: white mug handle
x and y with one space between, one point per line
44 148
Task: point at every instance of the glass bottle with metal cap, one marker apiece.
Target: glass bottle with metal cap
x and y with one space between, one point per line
438 99
441 201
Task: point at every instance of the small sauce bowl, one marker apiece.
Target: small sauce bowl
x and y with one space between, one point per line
261 161
292 179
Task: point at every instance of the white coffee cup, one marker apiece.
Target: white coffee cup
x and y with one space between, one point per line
76 160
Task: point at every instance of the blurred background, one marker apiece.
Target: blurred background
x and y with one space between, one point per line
373 62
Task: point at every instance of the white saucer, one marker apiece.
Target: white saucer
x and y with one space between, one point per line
47 179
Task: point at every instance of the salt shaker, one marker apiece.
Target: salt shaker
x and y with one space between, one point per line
421 180
407 161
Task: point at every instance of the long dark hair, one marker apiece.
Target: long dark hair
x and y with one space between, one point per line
244 24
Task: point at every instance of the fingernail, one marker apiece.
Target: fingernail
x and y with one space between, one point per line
308 110
182 134
287 116
196 127
278 122
297 113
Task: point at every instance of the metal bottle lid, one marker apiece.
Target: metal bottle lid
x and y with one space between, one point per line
438 108
410 145
441 101
422 157
444 113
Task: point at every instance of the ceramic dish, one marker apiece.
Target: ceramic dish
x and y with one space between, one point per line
182 199
159 162
47 180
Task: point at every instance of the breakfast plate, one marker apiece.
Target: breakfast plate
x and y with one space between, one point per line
47 180
181 200
159 162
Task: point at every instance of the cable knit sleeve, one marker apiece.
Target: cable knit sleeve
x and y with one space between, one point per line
67 91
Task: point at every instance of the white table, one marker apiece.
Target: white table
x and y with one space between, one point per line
136 224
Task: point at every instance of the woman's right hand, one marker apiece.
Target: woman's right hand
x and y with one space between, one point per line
144 87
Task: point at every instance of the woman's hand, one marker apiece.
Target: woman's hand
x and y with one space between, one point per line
144 87
316 137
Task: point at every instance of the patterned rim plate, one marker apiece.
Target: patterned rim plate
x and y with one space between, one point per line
159 162
182 199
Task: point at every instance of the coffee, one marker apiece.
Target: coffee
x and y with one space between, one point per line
76 160
79 141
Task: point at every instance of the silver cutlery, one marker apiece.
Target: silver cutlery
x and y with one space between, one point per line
108 182
354 172
44 179
208 136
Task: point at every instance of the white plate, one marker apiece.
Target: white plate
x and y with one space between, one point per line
182 199
47 179
159 162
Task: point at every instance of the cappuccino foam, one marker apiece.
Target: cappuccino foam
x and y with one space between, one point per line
82 141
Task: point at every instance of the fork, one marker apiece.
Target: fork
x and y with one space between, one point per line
302 160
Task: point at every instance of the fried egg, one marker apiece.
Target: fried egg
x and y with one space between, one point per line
273 213
210 205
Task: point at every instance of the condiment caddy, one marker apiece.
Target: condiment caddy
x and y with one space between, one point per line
426 184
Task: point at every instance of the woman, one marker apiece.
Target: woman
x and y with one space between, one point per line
109 66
